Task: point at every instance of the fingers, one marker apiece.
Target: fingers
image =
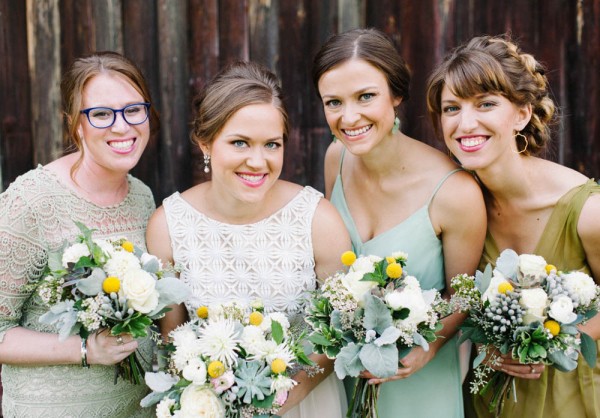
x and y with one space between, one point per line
107 349
523 371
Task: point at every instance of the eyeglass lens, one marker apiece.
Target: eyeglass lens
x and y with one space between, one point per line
103 117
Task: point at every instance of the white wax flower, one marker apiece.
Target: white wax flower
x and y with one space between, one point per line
561 309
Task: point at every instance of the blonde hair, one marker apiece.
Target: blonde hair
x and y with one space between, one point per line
496 65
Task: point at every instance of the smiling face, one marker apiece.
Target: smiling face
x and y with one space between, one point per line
118 148
247 154
480 129
358 105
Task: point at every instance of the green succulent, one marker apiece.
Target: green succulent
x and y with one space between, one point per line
254 381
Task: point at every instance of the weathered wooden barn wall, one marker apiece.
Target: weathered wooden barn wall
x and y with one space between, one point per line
180 44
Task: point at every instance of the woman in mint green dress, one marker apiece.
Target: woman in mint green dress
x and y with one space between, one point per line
397 194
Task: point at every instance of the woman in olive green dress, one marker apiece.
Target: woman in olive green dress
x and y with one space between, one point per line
492 103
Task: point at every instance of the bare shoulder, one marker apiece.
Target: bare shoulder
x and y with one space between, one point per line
459 191
158 239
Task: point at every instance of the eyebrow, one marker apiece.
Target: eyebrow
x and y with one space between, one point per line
359 91
247 138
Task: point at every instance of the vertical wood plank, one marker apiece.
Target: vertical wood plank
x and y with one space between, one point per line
43 33
175 162
264 33
78 34
203 62
233 31
139 46
16 154
107 19
352 14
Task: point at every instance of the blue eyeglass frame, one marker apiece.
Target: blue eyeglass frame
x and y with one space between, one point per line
87 111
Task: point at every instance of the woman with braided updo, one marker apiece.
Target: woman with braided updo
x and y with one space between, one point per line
492 103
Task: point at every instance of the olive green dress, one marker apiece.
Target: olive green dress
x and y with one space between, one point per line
556 394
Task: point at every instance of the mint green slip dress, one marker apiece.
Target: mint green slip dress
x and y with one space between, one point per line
435 390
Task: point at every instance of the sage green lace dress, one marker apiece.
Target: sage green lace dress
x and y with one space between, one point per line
36 214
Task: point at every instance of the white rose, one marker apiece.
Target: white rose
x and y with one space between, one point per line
200 402
561 309
581 286
358 289
491 293
163 409
195 371
365 264
74 253
139 287
534 301
120 263
411 298
532 266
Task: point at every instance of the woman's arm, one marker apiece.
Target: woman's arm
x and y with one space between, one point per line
332 166
158 241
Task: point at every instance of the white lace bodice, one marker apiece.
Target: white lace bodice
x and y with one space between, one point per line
271 260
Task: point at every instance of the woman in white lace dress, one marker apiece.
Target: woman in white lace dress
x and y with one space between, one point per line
107 109
245 234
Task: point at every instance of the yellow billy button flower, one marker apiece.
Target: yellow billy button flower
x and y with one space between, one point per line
390 260
256 318
215 369
552 326
348 258
128 246
505 287
202 312
393 270
278 366
549 268
111 284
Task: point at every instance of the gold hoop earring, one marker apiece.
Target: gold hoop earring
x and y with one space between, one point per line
518 134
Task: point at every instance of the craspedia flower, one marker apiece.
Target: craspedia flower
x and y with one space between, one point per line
202 312
552 326
128 246
394 270
278 366
111 284
390 260
549 268
505 287
256 318
348 258
216 369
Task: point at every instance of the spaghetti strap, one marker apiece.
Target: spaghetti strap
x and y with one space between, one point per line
442 182
341 161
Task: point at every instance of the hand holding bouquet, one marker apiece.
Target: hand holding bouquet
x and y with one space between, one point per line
527 309
371 317
233 361
95 284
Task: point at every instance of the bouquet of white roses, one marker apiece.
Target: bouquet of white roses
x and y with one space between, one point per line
233 361
371 317
526 308
95 283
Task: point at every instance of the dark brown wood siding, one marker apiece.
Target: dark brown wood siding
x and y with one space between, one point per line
181 44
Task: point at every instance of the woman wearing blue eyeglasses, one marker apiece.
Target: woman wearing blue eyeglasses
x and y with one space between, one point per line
109 118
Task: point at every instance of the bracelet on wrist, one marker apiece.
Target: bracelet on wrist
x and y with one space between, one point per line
84 362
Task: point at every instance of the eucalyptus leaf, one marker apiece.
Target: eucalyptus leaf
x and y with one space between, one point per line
419 340
377 314
482 280
508 264
160 381
152 265
380 361
561 361
588 349
92 285
55 261
171 290
389 336
479 359
348 362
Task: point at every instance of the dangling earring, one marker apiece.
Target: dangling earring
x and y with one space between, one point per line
333 138
518 134
206 163
396 127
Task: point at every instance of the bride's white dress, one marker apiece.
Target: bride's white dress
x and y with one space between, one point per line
271 260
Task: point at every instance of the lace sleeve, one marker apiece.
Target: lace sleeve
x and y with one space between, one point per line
22 256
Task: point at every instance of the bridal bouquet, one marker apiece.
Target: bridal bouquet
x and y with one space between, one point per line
526 308
232 361
371 317
95 283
